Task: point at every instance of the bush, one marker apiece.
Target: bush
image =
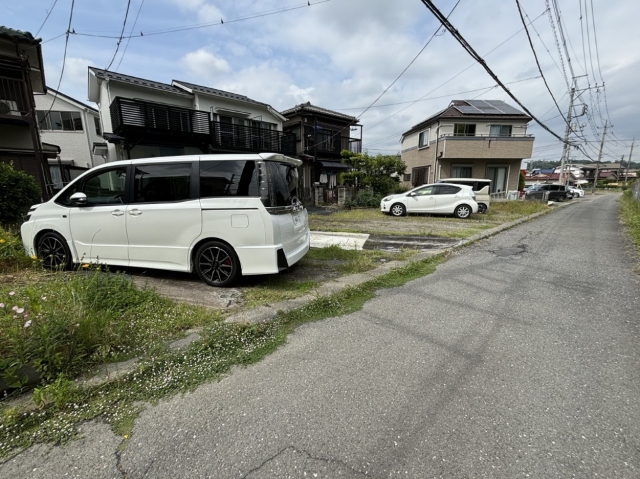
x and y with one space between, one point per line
19 191
365 199
12 253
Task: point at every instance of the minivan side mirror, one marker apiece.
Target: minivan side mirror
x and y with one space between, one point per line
78 199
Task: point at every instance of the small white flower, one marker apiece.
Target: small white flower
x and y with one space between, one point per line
20 310
15 308
27 324
11 293
44 298
1 305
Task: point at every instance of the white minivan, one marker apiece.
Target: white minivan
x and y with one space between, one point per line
221 216
481 187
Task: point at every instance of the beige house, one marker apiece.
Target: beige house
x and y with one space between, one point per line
468 139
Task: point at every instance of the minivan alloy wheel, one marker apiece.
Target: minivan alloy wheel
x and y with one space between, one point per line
216 264
53 251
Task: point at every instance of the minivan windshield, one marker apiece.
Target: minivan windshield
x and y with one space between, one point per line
283 184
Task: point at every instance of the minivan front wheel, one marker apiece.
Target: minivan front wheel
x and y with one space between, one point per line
462 211
217 264
53 251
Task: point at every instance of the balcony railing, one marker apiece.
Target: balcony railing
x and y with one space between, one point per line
127 114
333 143
249 138
12 101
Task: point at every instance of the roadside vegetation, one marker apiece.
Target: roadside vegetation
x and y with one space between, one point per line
63 324
630 216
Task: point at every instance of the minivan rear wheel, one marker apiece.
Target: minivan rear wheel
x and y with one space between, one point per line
217 264
482 208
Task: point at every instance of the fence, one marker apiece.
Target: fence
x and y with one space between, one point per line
635 191
320 195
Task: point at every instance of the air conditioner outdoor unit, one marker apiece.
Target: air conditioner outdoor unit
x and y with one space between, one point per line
9 107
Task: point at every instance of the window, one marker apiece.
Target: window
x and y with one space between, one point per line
96 121
447 190
461 172
464 129
428 190
161 183
406 177
500 130
498 176
59 120
423 138
105 188
228 178
419 175
283 184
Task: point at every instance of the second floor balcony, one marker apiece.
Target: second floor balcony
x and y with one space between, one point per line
485 146
140 121
332 143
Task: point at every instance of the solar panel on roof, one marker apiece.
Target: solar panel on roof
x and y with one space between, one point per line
504 107
467 109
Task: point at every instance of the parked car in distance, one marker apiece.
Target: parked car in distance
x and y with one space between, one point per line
438 198
555 192
577 192
481 188
222 216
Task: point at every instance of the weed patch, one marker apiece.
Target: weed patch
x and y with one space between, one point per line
12 255
166 373
630 217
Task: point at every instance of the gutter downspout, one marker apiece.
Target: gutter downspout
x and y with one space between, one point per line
435 160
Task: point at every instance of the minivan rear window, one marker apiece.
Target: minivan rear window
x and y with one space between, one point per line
162 182
283 184
228 178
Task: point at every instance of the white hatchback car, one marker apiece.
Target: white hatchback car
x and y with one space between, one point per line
440 198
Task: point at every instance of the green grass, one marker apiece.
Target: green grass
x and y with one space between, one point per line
274 289
630 217
12 254
166 373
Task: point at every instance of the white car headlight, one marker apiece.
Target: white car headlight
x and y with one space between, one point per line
388 198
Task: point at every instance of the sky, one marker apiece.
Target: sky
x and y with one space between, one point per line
343 54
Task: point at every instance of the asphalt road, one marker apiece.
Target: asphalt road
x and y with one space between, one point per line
518 357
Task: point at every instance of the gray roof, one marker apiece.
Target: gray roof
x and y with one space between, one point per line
60 94
105 74
18 35
215 92
308 107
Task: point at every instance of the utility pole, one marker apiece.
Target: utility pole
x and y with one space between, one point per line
595 178
626 173
567 132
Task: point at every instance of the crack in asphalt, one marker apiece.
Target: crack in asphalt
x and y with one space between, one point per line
308 456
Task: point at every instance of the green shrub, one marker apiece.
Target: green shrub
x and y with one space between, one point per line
18 191
12 253
364 199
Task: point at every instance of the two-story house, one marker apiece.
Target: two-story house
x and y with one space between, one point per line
22 75
469 139
320 136
73 126
145 118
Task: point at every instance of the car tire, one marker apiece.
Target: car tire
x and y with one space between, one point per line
398 209
482 208
53 251
561 198
216 264
462 211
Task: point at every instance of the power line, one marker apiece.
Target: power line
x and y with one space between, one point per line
64 60
524 24
429 4
454 76
595 39
124 24
47 17
129 39
205 25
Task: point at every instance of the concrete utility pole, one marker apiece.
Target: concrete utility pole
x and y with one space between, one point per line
567 132
595 178
626 173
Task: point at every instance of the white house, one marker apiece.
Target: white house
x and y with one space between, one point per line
75 128
144 118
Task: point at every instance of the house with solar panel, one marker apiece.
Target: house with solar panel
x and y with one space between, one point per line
145 118
469 139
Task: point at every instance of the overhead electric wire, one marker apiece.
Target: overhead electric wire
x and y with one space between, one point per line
47 17
64 60
124 24
429 4
129 39
205 25
535 55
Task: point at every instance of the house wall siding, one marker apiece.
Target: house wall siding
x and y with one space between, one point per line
487 147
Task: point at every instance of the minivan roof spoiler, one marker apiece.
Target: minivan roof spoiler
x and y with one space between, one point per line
279 157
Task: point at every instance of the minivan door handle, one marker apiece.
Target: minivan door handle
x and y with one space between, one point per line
117 213
135 212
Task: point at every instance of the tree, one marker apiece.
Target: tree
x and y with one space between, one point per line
382 172
521 182
18 191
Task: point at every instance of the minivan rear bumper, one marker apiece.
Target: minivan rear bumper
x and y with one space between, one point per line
264 259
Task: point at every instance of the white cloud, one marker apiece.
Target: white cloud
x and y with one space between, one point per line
205 64
205 11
